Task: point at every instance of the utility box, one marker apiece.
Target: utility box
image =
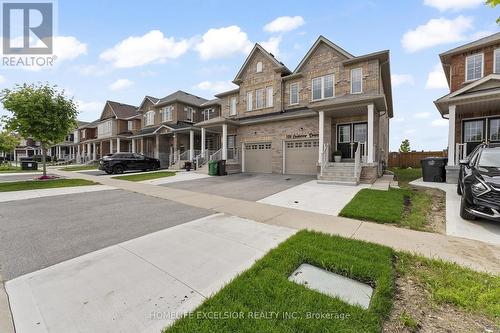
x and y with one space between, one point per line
434 169
29 165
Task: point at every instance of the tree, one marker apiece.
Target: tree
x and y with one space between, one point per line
405 146
40 112
493 4
8 142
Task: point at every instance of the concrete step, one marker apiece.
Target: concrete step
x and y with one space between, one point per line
338 174
340 164
341 181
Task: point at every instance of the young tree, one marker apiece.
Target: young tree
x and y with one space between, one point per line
8 142
405 146
40 112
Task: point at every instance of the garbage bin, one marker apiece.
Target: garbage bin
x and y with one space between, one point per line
29 165
433 169
212 168
221 168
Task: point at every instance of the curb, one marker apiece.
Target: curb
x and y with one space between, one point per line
6 322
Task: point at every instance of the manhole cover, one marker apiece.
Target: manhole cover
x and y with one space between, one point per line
331 284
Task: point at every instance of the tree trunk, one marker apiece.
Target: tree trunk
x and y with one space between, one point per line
44 160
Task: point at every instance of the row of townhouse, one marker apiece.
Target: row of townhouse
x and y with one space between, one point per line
276 121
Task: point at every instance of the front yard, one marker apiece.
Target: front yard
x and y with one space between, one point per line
8 168
43 184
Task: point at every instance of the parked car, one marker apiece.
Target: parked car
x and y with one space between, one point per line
120 162
479 183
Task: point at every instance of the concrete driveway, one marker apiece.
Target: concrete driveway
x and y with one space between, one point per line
244 186
37 233
480 229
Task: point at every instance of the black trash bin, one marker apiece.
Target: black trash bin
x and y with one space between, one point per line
29 165
221 168
433 169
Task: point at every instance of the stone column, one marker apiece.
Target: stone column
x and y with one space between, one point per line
321 126
88 150
191 145
224 141
133 145
371 118
94 152
157 146
118 145
203 134
111 146
451 134
142 146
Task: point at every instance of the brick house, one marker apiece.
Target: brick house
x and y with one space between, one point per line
473 104
279 121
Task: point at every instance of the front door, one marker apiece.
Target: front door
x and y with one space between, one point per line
360 135
473 133
344 140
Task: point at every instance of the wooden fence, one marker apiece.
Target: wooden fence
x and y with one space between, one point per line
412 159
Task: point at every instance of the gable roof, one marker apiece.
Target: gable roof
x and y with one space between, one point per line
152 99
120 110
183 97
321 39
280 66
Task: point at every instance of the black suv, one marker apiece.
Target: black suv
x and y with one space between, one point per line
119 162
479 183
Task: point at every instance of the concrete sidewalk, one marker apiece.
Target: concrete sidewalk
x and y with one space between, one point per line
49 192
476 255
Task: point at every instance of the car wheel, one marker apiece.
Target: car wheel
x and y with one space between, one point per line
463 212
459 189
118 169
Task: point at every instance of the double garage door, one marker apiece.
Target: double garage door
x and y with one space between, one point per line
300 157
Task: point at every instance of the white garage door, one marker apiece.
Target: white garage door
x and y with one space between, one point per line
258 157
301 157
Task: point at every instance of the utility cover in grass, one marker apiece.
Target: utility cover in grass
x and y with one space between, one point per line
331 284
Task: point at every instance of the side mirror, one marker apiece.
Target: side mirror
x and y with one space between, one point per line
464 162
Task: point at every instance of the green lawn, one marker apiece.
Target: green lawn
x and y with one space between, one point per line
40 184
146 176
79 168
388 207
265 288
404 176
7 168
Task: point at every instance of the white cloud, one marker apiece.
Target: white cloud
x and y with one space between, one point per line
216 86
436 79
120 84
153 47
272 45
443 5
68 48
436 32
89 107
439 122
401 79
223 42
284 24
422 115
398 119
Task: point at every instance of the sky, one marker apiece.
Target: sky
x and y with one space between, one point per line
124 50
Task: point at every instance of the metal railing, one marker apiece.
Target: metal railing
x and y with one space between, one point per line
184 156
324 158
232 154
202 158
216 156
460 152
357 163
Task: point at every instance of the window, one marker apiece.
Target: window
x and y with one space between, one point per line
356 80
474 67
130 125
473 131
84 132
496 61
166 113
149 118
294 93
360 132
259 67
231 141
249 101
495 129
104 129
344 133
259 98
189 113
322 87
232 106
208 114
269 97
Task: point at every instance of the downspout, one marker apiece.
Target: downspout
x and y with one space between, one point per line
282 93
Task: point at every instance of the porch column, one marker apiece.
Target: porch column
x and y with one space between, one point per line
191 145
451 134
88 150
203 141
78 154
111 146
117 145
371 115
142 146
133 145
157 146
224 141
94 152
321 135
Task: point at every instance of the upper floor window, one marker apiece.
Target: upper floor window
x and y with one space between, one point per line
259 67
356 80
249 101
259 98
322 87
208 114
130 125
189 113
84 132
496 61
474 67
104 129
269 97
294 93
232 106
149 118
166 113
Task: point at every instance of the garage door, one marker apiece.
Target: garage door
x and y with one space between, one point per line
301 157
258 157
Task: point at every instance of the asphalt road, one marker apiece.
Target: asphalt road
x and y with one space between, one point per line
37 233
244 186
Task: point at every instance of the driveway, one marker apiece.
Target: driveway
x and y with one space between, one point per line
144 284
37 233
244 186
482 230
